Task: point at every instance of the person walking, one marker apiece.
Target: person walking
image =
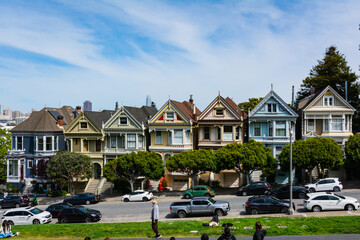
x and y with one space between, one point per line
5 194
259 233
155 218
227 235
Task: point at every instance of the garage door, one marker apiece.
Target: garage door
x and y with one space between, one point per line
231 180
180 183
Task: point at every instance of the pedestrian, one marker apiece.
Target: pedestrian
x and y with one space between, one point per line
259 233
204 237
155 218
227 235
5 194
87 238
172 238
214 221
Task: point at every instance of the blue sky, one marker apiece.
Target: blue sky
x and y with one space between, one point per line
67 52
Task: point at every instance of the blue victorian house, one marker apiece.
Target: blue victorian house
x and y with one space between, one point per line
270 123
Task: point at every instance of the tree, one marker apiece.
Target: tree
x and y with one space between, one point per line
39 169
251 104
333 70
5 146
319 152
73 167
245 158
192 162
352 153
134 165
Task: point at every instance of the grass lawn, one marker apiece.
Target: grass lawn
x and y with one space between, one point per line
295 226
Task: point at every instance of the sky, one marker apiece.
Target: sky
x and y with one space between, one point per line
65 52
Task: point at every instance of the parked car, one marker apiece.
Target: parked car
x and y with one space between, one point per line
138 195
317 202
267 204
200 205
255 188
83 198
199 191
327 184
26 215
79 214
15 201
283 192
55 209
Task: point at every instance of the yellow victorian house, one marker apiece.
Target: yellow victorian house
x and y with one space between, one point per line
172 131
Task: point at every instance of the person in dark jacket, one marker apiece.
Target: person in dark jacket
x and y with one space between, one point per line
227 235
214 221
259 233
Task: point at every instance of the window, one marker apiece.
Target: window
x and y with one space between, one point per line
40 143
29 163
270 128
19 143
170 116
207 133
178 136
123 121
219 112
158 137
169 138
187 136
237 133
336 124
280 128
85 145
257 131
13 168
219 133
326 124
228 133
113 142
140 141
328 101
56 143
131 140
311 125
48 143
271 107
83 125
98 146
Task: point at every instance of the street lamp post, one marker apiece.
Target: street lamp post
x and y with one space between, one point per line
291 210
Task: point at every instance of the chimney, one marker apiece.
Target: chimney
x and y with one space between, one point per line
153 104
191 100
312 90
60 120
116 106
77 111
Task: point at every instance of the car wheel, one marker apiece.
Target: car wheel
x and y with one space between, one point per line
207 195
17 205
63 220
187 196
244 193
349 207
254 211
87 220
316 209
126 200
312 190
36 221
284 210
302 195
181 214
87 202
336 189
145 199
10 222
219 212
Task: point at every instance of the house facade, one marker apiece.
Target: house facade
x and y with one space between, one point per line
270 123
222 122
172 131
37 138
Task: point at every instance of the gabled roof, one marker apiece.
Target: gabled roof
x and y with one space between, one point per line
98 118
45 120
272 94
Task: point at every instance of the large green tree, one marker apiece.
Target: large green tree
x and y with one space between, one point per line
250 105
319 152
192 162
134 165
245 158
5 146
333 70
73 167
352 152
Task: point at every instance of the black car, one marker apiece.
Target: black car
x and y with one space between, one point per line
255 188
83 198
266 204
79 214
15 201
55 209
283 192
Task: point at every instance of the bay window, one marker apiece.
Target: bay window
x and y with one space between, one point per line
207 133
187 136
228 133
280 128
13 168
19 144
140 141
158 137
131 140
311 125
257 131
178 136
40 145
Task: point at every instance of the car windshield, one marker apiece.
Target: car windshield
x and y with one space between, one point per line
36 211
84 209
339 196
212 200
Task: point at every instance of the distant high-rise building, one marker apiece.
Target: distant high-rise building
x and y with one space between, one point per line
87 105
16 114
148 100
8 112
1 109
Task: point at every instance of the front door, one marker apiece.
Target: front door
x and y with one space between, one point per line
21 172
97 171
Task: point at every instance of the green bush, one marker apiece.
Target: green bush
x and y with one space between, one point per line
58 193
15 190
122 186
9 186
216 184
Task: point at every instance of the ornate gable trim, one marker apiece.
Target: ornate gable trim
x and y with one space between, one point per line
161 111
116 116
216 102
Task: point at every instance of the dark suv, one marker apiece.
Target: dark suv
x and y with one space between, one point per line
55 209
15 201
269 204
79 214
255 188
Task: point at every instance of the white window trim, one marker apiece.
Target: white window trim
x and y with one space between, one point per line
307 125
328 98
87 125
219 115
166 117
254 129
32 162
272 107
122 124
182 137
161 137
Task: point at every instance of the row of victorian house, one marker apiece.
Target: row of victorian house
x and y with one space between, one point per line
175 127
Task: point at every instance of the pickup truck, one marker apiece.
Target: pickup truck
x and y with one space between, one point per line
200 205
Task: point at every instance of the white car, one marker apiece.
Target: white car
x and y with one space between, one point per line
26 215
138 195
327 184
317 202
